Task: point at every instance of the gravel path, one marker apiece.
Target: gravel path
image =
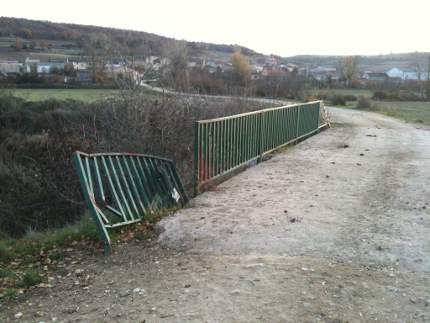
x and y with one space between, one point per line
334 229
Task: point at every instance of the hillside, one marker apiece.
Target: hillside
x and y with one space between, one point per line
377 63
48 40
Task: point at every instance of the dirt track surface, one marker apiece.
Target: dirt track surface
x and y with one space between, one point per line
334 229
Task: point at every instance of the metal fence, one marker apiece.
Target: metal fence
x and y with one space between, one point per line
223 145
120 189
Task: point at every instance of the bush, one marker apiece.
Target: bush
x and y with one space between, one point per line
30 278
39 187
338 100
9 294
350 97
363 102
379 95
396 96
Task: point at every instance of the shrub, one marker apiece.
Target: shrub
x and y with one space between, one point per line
39 187
6 272
6 252
350 97
396 96
363 103
379 95
338 100
9 294
30 278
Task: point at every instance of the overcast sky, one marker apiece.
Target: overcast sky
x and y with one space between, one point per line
283 27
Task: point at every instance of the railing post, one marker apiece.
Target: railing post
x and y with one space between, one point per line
260 136
196 160
319 113
298 122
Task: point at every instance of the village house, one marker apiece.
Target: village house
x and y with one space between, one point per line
273 70
80 66
375 76
405 75
49 67
256 71
120 70
289 67
10 67
256 68
156 62
30 65
216 66
323 74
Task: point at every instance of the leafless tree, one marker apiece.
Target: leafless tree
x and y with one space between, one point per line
348 68
177 73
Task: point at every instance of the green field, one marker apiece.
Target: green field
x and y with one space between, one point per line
416 112
87 95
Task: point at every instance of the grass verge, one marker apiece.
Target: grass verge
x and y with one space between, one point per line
415 112
29 261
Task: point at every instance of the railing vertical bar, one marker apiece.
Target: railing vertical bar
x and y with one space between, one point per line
214 149
206 155
134 184
247 138
222 147
146 175
118 203
128 212
127 194
141 183
233 143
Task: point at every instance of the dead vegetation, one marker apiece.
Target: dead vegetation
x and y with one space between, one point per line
38 182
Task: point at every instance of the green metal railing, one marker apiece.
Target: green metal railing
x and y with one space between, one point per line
225 144
120 189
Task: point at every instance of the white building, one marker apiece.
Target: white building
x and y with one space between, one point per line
30 65
10 67
407 75
80 66
395 73
156 62
49 67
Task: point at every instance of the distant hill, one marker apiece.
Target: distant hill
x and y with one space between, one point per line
64 40
377 63
47 40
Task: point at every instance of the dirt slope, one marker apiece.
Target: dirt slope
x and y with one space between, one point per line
334 229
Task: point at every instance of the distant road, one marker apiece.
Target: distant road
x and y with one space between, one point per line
222 97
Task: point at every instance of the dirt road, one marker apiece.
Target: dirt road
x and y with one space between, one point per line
334 229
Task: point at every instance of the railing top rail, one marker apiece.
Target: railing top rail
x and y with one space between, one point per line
122 154
257 112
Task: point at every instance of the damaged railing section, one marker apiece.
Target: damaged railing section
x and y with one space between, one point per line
223 145
121 188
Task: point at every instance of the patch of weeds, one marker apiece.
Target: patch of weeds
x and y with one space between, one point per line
363 103
154 217
30 278
52 238
6 272
26 247
9 294
142 235
58 256
6 253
